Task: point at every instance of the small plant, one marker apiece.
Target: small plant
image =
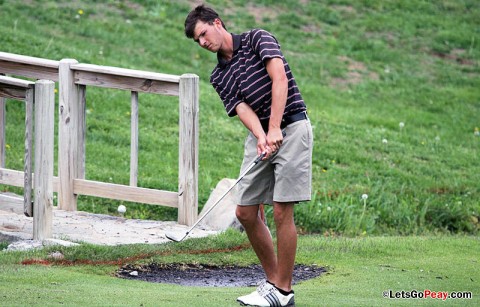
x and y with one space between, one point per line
3 245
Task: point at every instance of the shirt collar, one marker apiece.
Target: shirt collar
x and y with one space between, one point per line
237 40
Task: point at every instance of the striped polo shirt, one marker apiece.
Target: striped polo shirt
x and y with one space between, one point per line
245 78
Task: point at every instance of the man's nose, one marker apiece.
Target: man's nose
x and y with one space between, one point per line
203 42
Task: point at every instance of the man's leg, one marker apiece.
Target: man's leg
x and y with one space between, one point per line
286 244
260 239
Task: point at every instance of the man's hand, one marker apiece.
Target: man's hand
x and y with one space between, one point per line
262 147
274 139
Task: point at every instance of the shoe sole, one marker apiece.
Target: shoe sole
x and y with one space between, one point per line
289 304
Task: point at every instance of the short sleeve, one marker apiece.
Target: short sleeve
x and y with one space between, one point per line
265 45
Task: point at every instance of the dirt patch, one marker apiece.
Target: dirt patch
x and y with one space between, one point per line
202 275
357 72
456 55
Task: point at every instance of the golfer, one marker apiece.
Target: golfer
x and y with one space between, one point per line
255 83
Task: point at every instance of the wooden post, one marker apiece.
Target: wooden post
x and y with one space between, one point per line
82 131
29 118
69 151
188 150
43 189
2 132
134 140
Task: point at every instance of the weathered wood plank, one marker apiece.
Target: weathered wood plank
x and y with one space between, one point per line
126 193
44 138
12 92
82 131
126 83
11 177
134 140
16 178
15 82
124 72
188 150
29 118
3 125
68 133
23 59
28 71
30 67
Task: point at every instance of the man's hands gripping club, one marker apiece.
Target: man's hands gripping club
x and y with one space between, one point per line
267 143
270 142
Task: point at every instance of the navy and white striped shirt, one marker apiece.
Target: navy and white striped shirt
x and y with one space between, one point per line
245 77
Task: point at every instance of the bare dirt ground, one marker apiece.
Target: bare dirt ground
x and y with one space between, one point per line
202 275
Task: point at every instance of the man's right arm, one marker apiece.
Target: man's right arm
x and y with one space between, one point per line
251 121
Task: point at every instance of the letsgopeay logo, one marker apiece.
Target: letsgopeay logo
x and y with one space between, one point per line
426 294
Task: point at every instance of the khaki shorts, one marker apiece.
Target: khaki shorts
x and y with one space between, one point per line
286 176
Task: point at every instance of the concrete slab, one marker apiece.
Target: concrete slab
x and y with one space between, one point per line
92 228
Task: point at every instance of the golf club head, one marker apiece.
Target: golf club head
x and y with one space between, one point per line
175 237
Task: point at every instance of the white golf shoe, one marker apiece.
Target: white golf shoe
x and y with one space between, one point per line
267 295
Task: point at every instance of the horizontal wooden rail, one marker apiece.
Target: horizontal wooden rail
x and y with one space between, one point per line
14 88
29 67
16 178
16 82
126 79
12 177
126 193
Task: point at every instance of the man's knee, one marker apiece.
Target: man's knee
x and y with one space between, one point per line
246 214
283 212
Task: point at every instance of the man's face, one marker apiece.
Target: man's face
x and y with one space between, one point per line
209 36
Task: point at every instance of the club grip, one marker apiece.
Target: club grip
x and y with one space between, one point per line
260 157
263 154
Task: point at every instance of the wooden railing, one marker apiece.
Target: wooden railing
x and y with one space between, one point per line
39 105
73 79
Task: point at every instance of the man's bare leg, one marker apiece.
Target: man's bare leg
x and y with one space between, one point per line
286 244
260 239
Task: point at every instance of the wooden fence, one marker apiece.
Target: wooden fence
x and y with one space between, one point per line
73 79
39 100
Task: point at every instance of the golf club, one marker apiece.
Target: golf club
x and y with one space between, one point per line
177 238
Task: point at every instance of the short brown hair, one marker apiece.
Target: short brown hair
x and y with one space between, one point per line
200 13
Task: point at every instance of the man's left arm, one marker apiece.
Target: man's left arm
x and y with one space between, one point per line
276 71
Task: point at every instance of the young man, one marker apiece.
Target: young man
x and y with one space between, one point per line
254 82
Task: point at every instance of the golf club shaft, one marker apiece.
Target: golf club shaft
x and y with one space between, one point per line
245 172
258 159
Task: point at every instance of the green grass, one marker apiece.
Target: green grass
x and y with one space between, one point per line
359 270
363 68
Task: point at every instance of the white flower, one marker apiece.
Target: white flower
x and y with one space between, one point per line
437 138
401 125
384 141
122 209
329 208
364 196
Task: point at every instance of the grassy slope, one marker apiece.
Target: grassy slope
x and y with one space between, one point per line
363 67
359 271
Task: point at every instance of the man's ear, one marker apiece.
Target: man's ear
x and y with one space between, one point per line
218 22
